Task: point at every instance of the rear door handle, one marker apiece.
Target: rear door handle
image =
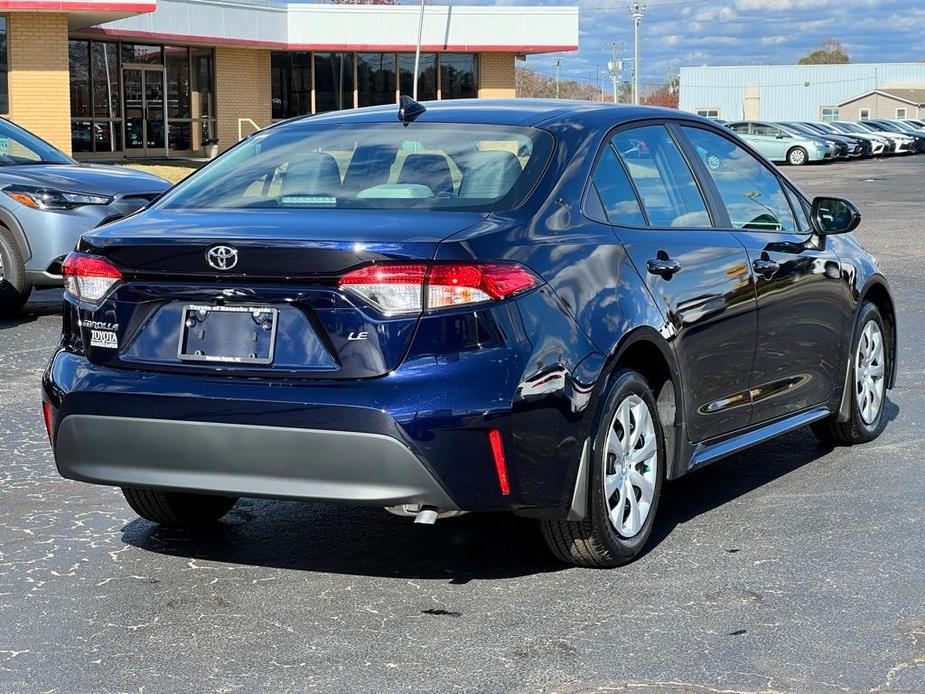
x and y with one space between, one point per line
765 267
662 265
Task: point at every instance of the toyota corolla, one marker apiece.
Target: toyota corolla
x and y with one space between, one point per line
542 307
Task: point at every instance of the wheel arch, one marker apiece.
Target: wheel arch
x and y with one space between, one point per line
878 293
12 225
643 349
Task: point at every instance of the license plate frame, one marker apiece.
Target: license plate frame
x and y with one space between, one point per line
201 312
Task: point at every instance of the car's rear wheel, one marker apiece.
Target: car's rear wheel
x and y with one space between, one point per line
178 509
14 288
627 469
797 156
870 369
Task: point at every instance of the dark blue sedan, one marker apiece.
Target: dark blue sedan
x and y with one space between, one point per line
544 307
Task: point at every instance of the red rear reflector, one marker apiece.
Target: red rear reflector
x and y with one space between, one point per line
497 452
49 422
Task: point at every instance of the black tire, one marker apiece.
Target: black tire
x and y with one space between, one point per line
797 156
178 509
594 541
14 287
856 429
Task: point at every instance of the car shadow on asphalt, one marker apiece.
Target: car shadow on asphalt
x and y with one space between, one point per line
42 303
371 542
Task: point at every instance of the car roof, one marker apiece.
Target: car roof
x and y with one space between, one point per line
510 112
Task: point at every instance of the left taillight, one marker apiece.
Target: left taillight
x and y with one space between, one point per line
89 277
413 288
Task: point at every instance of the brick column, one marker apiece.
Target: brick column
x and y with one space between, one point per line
496 76
242 90
39 84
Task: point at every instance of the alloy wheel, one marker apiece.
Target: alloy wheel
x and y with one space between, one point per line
630 466
797 157
869 372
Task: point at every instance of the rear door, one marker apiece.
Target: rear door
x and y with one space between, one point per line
698 276
799 292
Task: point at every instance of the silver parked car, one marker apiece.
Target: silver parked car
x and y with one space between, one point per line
47 200
782 144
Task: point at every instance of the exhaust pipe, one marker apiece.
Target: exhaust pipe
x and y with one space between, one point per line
422 513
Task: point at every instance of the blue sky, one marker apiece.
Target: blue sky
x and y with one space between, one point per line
678 33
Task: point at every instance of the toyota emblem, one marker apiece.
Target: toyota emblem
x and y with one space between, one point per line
222 257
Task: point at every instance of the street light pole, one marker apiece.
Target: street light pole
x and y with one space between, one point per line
417 53
637 10
557 63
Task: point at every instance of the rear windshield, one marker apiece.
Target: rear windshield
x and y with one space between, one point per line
375 166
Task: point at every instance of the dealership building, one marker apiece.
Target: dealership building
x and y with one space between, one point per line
855 91
105 79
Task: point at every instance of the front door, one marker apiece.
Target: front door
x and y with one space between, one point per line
144 111
797 280
698 276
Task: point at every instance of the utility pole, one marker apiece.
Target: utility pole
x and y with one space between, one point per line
637 11
417 53
557 63
614 68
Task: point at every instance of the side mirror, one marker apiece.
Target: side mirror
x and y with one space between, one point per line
834 216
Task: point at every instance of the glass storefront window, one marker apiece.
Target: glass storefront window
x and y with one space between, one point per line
4 69
107 136
203 69
333 81
427 75
459 76
79 66
81 136
376 78
291 84
105 81
178 82
140 53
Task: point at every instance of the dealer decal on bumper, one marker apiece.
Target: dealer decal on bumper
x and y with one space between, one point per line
102 334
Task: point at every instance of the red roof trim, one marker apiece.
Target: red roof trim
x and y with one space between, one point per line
64 5
254 43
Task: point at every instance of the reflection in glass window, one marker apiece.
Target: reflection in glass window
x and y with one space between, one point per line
291 84
105 80
616 192
458 76
79 67
751 193
178 82
665 183
427 75
140 53
333 81
376 78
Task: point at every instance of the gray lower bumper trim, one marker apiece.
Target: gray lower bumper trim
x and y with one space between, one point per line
244 460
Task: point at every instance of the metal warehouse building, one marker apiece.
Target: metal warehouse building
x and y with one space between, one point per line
804 92
156 78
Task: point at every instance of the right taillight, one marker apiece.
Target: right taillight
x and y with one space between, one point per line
89 277
412 288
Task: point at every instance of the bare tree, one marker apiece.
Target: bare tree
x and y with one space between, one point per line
829 52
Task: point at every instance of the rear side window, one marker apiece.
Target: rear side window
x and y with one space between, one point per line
753 196
616 192
660 173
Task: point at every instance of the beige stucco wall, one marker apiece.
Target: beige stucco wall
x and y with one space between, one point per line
242 90
496 76
880 107
39 85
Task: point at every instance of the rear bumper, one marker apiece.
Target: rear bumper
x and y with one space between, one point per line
244 460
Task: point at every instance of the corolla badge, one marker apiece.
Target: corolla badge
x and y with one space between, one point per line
222 257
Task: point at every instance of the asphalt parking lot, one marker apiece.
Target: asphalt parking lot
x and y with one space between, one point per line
792 567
